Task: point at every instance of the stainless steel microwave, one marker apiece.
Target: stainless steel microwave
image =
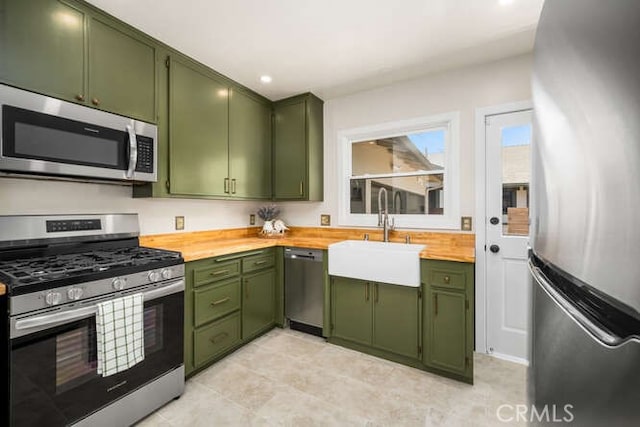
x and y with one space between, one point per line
48 136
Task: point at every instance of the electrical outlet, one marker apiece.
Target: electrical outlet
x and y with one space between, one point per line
179 223
325 220
465 223
252 219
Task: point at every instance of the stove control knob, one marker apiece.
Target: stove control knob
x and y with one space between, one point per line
167 273
154 276
75 293
53 298
118 284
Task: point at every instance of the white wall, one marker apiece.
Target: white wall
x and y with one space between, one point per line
458 90
461 90
25 196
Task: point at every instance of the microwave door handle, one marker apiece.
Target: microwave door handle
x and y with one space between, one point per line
133 151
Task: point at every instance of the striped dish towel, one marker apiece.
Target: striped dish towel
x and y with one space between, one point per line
120 334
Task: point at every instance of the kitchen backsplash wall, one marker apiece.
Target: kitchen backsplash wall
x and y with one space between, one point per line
24 196
461 90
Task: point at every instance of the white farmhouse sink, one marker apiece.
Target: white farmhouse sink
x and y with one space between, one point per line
384 262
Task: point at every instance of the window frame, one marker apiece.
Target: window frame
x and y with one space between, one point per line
451 217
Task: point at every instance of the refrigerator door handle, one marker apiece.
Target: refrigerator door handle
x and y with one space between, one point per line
603 337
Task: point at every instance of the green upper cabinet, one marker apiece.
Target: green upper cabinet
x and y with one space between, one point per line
351 310
66 50
249 146
298 148
258 302
448 317
122 70
198 131
396 319
42 47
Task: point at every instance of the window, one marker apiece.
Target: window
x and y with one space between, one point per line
414 161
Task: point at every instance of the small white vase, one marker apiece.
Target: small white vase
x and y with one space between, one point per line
267 228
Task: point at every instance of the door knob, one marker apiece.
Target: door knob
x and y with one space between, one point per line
494 248
494 220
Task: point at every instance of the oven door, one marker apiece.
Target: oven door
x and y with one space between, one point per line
48 136
53 378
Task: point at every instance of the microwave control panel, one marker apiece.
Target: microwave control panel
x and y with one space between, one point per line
145 154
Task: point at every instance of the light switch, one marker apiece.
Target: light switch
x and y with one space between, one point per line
325 220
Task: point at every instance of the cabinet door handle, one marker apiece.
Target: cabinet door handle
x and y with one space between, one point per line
435 299
79 97
233 186
366 291
302 188
375 292
447 279
219 272
220 301
95 101
219 337
260 262
246 288
226 185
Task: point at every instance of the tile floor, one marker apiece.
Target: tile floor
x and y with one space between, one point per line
287 378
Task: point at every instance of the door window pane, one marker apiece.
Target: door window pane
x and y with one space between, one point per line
516 176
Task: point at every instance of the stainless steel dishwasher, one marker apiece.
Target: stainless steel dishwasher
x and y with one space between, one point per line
303 289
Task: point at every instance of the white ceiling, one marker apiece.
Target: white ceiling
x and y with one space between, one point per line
333 47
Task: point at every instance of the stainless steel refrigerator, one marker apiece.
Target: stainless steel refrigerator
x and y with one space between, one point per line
585 257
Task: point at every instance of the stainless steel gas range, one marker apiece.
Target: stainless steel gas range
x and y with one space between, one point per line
58 271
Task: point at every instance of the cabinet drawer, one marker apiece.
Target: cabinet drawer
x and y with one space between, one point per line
447 279
257 262
216 300
215 338
216 272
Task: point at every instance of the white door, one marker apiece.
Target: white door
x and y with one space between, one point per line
508 166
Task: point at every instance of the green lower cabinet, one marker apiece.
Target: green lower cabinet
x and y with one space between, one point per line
448 330
396 319
382 316
215 338
258 303
351 310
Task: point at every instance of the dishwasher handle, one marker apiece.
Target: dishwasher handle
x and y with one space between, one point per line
303 254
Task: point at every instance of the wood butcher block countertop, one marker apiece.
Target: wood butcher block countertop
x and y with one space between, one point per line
205 244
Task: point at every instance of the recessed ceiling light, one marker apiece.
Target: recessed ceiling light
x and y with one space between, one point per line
265 79
505 2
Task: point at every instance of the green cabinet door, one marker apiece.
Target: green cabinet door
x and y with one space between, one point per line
42 47
396 319
198 132
445 324
258 302
290 150
249 146
122 72
351 309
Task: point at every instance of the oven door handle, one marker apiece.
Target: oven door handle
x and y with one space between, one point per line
49 320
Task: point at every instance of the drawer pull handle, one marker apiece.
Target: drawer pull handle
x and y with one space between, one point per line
219 272
260 262
447 279
220 301
220 337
